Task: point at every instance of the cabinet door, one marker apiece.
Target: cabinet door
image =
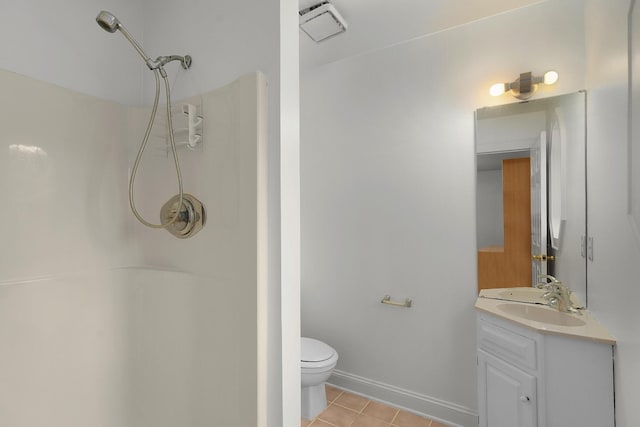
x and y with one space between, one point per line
506 394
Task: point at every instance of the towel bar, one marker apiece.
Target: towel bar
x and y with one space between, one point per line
387 300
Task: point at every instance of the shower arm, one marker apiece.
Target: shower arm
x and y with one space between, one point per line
160 61
185 61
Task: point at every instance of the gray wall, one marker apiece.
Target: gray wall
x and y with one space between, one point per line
388 199
613 274
490 218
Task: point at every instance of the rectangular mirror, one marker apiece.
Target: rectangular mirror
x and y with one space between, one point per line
531 193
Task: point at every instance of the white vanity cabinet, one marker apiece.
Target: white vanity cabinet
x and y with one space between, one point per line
527 378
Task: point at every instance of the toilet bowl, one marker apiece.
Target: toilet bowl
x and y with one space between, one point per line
317 362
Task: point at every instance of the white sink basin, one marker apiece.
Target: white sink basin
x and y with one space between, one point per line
541 314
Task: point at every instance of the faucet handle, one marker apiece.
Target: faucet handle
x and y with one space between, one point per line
550 286
555 287
558 296
547 280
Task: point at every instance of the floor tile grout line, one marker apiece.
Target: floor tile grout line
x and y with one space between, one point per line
395 416
339 394
350 409
389 422
365 406
362 411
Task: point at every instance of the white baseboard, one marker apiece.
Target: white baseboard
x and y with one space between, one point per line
436 409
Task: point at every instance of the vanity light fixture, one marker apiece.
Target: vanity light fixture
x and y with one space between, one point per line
525 85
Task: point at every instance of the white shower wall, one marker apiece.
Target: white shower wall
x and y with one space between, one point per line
65 359
63 163
181 345
228 174
139 348
64 328
80 349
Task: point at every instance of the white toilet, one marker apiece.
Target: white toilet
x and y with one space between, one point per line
317 360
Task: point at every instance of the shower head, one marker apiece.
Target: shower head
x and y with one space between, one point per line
111 24
108 21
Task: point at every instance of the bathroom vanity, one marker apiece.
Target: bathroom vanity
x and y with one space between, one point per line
541 367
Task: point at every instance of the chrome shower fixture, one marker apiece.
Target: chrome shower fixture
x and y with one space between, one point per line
111 24
183 215
108 21
191 217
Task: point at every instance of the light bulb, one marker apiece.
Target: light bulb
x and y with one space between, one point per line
497 89
550 77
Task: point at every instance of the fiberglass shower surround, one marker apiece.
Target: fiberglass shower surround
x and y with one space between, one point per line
183 215
88 341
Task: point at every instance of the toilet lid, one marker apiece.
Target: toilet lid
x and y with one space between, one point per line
314 350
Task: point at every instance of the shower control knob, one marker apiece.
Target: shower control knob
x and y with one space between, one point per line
191 216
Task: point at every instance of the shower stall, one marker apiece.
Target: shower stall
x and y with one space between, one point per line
103 321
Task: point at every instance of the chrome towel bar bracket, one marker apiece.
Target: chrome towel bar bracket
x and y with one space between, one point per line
387 300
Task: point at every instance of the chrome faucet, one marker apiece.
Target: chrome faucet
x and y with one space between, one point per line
557 295
545 277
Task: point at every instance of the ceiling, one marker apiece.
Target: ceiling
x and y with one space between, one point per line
376 24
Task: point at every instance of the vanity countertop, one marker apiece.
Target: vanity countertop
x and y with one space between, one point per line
592 329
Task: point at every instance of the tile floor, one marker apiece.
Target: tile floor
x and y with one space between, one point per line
345 409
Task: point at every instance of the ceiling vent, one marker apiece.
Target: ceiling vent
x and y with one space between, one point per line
321 22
